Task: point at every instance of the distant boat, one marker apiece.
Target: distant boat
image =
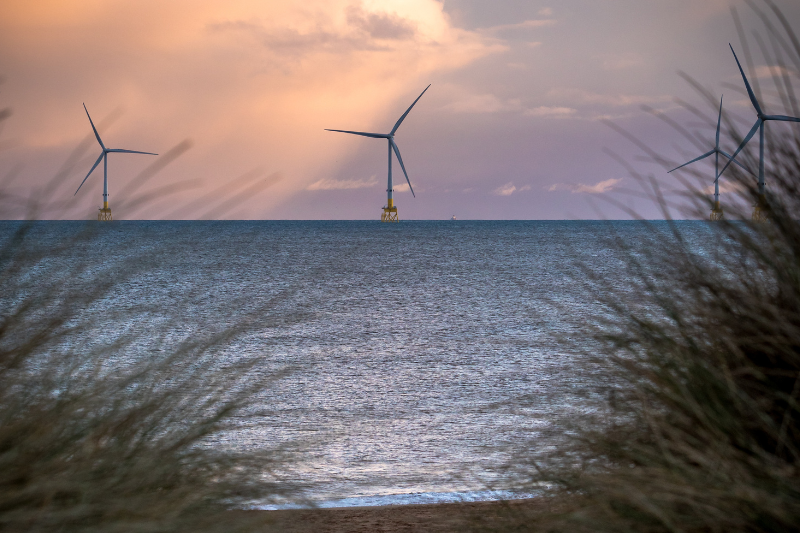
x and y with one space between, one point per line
453 217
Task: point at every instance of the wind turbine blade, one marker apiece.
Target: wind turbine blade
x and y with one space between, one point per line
736 161
693 160
397 153
719 120
363 134
90 172
103 146
782 118
400 120
747 84
121 151
741 146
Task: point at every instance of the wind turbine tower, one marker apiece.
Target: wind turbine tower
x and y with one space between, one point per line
390 210
758 213
716 211
105 211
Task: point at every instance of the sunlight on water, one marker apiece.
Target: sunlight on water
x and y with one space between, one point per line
422 354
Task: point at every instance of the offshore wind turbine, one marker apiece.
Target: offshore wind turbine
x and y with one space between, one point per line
390 211
105 211
758 214
716 212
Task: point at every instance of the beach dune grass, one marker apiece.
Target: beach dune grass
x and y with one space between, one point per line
100 435
699 427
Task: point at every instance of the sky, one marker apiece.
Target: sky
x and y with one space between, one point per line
235 96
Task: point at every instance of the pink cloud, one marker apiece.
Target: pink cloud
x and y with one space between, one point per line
597 188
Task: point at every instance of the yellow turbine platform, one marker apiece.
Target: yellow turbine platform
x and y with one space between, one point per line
389 212
716 213
105 213
760 210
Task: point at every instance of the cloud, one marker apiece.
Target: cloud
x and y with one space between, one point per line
546 12
622 61
613 116
293 43
549 111
329 184
364 31
489 103
597 188
766 71
483 103
580 96
380 25
726 186
253 83
418 29
528 24
505 190
402 187
508 189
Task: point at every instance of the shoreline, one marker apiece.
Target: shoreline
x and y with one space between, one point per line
412 498
427 517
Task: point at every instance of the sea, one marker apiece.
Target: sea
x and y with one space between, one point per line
414 361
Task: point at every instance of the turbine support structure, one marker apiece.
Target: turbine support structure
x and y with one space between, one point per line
105 212
389 212
716 212
760 209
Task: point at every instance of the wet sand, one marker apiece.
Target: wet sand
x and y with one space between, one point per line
434 518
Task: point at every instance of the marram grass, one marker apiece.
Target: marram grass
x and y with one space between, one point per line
700 427
100 435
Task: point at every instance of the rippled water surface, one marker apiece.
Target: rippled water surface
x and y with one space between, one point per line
422 354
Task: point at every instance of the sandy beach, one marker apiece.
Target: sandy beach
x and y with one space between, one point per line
434 518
